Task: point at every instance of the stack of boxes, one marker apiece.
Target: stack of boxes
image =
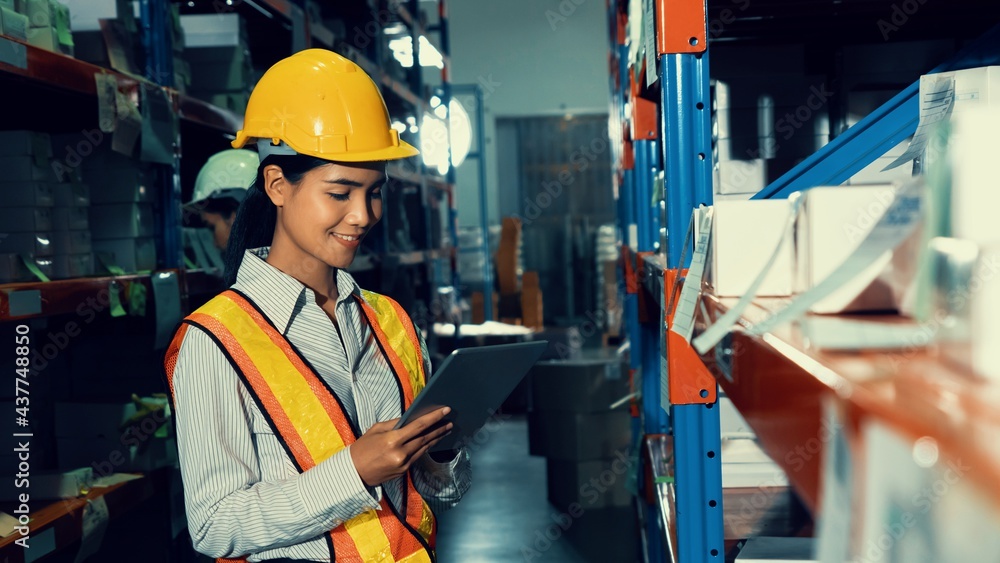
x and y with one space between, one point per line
586 444
121 212
48 25
43 212
218 59
13 22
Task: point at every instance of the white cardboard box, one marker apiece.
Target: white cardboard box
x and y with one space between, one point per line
27 194
120 185
211 30
67 266
745 234
71 242
974 87
70 218
741 176
974 197
26 219
14 143
14 24
130 254
832 224
71 195
24 168
12 269
111 221
36 244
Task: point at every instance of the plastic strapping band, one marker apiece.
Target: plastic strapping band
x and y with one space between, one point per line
34 269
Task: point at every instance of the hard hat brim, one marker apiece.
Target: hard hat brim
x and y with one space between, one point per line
401 151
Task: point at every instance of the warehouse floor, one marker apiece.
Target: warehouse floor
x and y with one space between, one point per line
505 516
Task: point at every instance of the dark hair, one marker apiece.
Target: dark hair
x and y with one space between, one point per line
257 216
224 206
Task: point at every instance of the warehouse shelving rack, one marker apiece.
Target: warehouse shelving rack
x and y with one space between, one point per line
777 381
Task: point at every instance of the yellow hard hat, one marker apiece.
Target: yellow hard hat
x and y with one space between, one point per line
321 104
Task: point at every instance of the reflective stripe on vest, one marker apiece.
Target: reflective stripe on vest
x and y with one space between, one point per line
309 420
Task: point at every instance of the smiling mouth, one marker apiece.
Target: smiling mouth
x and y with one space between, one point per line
347 237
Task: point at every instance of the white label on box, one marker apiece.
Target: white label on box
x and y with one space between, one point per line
684 316
95 522
937 98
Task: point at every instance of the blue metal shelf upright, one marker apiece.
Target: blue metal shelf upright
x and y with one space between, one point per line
666 127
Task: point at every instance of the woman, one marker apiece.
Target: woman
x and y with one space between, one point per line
287 386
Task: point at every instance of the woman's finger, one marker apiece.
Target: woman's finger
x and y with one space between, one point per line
421 424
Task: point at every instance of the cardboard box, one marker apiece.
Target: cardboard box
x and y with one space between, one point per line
832 223
974 87
15 25
589 484
745 234
26 219
86 14
13 270
35 244
39 12
71 242
71 195
212 30
66 266
577 386
25 169
579 437
19 143
121 220
70 218
120 185
27 194
130 254
741 176
974 162
44 38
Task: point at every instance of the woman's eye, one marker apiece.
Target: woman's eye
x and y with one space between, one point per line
341 197
377 194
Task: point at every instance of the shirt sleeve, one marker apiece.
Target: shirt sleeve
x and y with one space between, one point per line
231 512
442 485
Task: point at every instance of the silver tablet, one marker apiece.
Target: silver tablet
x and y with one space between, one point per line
474 382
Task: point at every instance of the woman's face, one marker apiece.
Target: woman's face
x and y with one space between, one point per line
331 209
220 227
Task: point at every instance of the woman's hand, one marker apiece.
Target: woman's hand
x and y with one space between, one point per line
382 453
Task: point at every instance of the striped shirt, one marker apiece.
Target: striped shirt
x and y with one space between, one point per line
242 491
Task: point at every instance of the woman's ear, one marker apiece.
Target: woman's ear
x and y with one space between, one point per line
275 185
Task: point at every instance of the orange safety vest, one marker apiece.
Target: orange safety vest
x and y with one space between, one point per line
309 419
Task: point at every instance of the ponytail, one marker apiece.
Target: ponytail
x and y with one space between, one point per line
257 216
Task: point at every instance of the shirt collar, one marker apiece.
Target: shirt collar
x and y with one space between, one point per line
278 294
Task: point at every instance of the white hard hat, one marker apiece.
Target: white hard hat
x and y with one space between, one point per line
226 174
